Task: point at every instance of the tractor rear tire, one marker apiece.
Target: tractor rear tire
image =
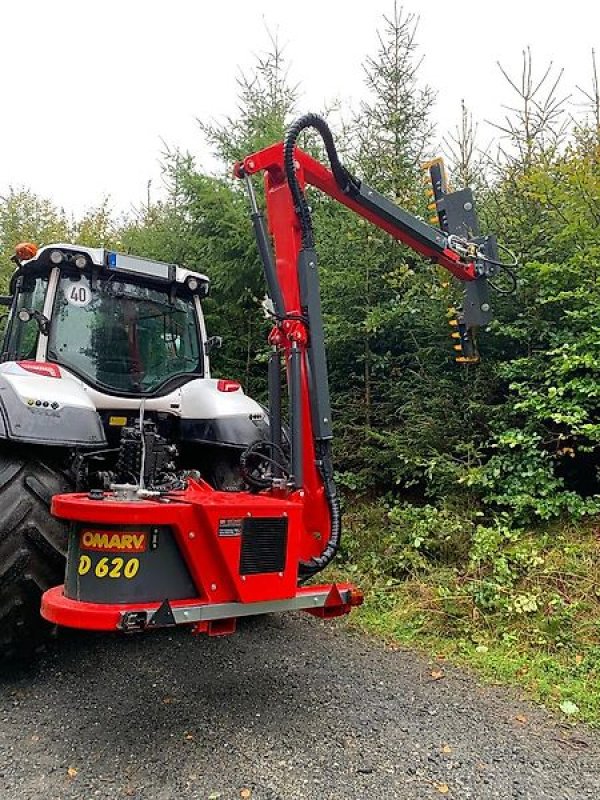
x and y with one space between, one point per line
32 548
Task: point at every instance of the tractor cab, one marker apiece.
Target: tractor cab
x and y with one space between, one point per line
122 324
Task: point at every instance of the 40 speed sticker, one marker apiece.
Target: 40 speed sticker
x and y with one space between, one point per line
78 294
109 567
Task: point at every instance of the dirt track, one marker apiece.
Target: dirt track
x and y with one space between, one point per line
287 708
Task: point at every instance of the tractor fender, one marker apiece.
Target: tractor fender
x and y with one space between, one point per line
46 409
210 415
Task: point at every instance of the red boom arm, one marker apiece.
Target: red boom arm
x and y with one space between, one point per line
292 278
309 171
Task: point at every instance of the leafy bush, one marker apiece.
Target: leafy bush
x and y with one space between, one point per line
474 575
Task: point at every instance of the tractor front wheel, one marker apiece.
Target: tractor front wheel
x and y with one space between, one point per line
32 547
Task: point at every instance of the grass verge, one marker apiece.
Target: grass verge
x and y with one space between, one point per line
519 607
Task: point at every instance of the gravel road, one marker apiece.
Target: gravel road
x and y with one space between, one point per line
287 708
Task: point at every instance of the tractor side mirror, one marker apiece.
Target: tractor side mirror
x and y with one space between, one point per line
213 343
6 300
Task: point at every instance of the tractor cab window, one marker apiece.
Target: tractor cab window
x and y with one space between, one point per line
23 336
123 336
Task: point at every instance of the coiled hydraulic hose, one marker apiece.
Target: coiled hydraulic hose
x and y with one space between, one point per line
347 183
344 179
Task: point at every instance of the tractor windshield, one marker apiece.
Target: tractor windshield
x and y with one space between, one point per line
123 336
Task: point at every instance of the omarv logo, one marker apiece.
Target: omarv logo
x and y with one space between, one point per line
114 541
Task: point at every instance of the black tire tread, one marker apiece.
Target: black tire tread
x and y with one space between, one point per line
32 547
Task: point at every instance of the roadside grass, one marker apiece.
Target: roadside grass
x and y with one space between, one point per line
525 611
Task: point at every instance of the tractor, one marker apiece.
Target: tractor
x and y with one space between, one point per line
180 500
105 356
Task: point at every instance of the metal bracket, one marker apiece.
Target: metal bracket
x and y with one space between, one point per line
133 621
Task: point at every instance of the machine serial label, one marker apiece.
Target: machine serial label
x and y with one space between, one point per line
114 542
230 527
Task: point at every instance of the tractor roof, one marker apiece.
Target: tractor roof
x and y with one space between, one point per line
120 262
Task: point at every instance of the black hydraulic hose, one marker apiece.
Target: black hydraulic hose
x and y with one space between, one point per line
344 179
307 569
348 184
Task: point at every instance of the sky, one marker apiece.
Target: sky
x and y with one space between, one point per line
92 88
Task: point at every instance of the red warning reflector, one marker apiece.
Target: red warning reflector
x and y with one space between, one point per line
225 385
41 368
334 598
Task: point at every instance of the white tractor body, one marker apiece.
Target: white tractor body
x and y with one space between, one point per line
98 322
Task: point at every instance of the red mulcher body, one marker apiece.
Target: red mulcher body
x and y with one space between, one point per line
142 559
202 558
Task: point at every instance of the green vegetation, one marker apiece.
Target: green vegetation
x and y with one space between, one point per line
471 493
519 605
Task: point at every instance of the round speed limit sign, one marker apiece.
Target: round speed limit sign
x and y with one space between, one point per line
78 294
